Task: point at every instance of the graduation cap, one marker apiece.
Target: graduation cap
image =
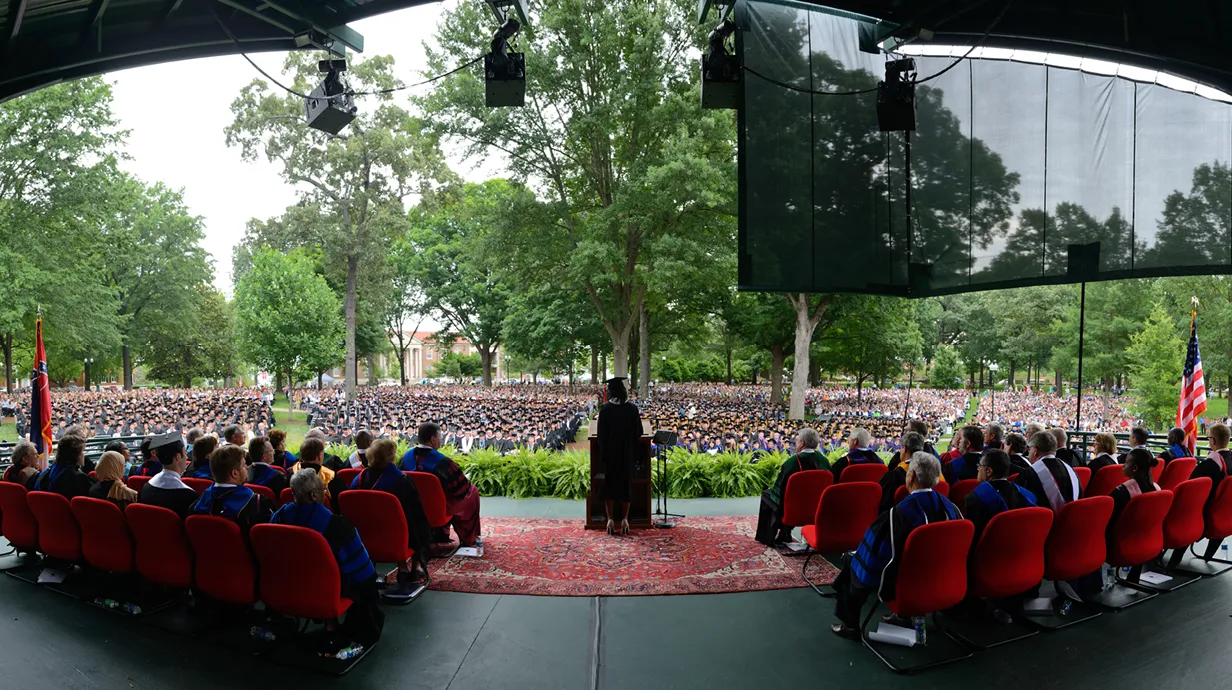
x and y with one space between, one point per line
614 379
167 440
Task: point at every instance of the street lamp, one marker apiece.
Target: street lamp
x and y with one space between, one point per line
992 367
89 361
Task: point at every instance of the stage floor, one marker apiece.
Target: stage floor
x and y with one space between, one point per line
750 640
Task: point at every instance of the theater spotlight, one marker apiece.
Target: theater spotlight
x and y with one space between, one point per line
504 72
720 70
896 97
331 106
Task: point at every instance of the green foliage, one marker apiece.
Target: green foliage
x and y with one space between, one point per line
527 475
486 470
457 366
688 474
732 475
570 477
1156 357
947 370
768 466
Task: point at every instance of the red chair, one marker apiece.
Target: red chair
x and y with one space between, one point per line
843 515
1105 480
348 475
264 492
286 496
198 485
163 555
105 540
1137 538
1084 478
1008 560
432 495
863 472
959 493
137 482
1218 526
1182 527
299 575
933 577
58 531
93 474
378 517
1075 547
1175 472
801 496
1157 471
17 523
941 488
224 569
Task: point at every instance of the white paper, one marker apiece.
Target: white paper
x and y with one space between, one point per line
469 551
796 546
1038 605
1154 578
892 634
51 575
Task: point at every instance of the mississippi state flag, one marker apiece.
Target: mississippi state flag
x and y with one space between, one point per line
1193 390
40 403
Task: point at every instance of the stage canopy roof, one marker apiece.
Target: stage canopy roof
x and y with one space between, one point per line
1041 160
46 41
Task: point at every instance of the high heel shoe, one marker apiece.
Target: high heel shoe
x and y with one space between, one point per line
611 527
624 526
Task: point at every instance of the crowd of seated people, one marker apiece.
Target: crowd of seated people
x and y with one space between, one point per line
1100 412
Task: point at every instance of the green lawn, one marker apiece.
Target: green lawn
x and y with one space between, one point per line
1216 408
8 430
295 426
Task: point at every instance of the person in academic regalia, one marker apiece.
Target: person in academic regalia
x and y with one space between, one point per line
620 432
995 494
1064 453
1176 446
200 455
921 427
228 497
994 437
65 476
24 469
1215 466
260 470
967 464
1051 480
770 528
364 620
874 566
282 457
461 497
1138 436
359 458
858 453
382 474
1016 446
110 486
896 476
1104 448
310 455
166 489
1138 463
150 465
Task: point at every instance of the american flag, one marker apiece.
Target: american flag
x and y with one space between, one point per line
1193 389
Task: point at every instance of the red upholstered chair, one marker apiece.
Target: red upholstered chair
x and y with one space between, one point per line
802 494
198 485
163 554
93 474
105 539
17 523
863 472
843 515
1105 480
59 533
286 496
1084 478
941 488
348 475
378 517
224 568
1175 472
1157 471
1183 526
1218 526
961 489
432 495
299 575
264 492
933 569
1137 538
1076 547
137 482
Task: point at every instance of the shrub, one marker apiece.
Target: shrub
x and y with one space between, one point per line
570 478
486 470
732 476
688 474
526 475
768 466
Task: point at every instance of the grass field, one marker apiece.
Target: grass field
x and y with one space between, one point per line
1216 408
295 426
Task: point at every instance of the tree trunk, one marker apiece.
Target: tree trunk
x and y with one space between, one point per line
86 377
126 357
352 282
643 346
8 361
290 390
620 334
1059 391
602 367
320 379
1011 381
372 370
814 372
777 356
187 380
485 362
729 365
806 323
594 364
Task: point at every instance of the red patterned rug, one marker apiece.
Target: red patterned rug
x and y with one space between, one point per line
554 557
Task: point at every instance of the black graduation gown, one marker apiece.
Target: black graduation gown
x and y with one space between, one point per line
1068 455
1019 464
980 512
1210 468
179 501
70 483
1031 481
890 483
334 463
960 468
100 491
854 457
620 429
1100 462
239 504
1120 499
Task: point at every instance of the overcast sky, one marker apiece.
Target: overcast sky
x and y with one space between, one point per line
177 111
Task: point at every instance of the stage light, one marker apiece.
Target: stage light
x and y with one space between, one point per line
504 72
896 97
720 70
330 107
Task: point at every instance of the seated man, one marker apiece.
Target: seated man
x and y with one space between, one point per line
65 476
921 428
461 497
329 461
359 458
1065 454
1016 446
1215 466
150 465
913 443
1176 446
260 472
970 441
858 453
770 528
311 454
383 475
994 436
1051 480
364 620
875 565
166 489
995 494
228 497
1138 436
24 469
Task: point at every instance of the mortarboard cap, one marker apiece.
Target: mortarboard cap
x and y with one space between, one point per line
614 379
167 440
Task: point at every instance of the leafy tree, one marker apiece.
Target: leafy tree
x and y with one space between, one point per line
1214 295
358 180
550 327
1156 356
767 322
1194 227
200 346
458 366
287 318
874 338
406 307
947 370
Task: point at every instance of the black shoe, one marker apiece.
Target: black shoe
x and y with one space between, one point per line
844 631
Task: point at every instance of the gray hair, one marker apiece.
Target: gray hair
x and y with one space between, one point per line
927 469
305 484
808 436
996 432
913 442
316 432
1059 434
1032 429
21 450
861 437
1044 442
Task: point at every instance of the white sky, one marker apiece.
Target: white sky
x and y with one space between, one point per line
177 111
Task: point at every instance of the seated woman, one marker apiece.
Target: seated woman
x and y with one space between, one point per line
201 452
383 475
65 476
282 457
1138 463
24 469
1105 452
260 457
461 497
365 619
110 487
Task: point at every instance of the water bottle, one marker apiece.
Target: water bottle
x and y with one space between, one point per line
1065 607
921 633
1125 572
107 603
132 609
349 652
261 634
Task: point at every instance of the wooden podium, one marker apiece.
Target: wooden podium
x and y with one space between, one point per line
640 503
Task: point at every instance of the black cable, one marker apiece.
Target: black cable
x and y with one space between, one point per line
455 70
799 89
970 50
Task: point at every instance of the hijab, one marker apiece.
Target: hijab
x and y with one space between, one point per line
110 468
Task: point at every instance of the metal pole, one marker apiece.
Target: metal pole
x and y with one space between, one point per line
1082 325
910 381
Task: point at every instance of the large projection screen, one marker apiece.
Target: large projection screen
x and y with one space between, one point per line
1020 173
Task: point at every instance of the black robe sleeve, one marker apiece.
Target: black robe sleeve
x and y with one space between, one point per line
419 533
1208 468
890 483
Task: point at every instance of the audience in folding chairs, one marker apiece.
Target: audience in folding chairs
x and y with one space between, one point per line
24 469
1216 467
167 489
365 619
383 475
228 497
65 476
261 472
110 476
770 528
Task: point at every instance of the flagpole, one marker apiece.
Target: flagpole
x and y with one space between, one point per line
1082 327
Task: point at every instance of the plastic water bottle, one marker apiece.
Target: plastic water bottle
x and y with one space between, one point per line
261 634
107 603
921 633
1065 607
132 609
349 652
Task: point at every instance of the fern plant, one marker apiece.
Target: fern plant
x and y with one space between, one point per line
688 475
733 476
570 477
486 470
768 466
526 476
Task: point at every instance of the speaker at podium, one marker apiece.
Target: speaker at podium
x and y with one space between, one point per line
640 484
